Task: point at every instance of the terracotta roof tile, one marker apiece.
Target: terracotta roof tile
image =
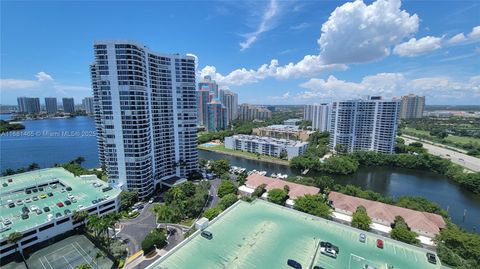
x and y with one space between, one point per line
296 190
417 220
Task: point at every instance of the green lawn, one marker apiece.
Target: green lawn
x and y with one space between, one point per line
451 138
249 155
462 139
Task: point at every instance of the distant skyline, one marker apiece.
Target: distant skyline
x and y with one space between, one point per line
269 52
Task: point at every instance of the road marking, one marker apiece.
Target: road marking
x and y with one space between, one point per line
134 256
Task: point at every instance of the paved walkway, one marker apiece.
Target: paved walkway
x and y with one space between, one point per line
462 159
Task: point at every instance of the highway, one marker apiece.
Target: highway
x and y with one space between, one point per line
464 160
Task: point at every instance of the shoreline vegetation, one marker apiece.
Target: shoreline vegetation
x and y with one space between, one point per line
6 126
247 155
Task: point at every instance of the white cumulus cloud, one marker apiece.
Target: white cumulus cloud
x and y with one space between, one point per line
390 85
414 47
357 33
310 65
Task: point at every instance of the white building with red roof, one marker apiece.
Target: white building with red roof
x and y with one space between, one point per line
422 223
295 190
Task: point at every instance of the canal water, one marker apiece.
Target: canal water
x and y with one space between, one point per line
51 141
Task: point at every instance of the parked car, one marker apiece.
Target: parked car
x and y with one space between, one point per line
11 205
19 202
362 238
7 222
329 245
28 200
67 211
35 198
67 202
58 215
379 243
328 252
60 204
294 264
431 258
50 194
207 235
46 209
25 216
68 188
43 196
94 201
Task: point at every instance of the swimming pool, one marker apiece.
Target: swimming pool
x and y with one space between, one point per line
264 235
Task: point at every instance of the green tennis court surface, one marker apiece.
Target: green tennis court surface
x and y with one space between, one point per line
65 254
263 235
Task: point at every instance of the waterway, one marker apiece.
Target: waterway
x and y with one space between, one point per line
51 141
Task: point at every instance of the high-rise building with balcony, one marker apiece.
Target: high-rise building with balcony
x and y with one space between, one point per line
251 112
230 100
208 84
217 116
412 106
51 105
29 105
68 105
369 124
319 115
87 104
203 98
146 115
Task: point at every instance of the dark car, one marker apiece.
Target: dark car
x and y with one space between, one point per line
25 216
68 188
58 215
318 267
46 209
431 258
25 209
50 194
294 264
329 245
40 189
35 190
94 202
28 191
67 211
207 235
67 202
11 205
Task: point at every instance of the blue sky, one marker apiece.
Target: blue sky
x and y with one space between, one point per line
270 52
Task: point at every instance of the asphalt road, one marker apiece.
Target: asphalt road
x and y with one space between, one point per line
135 230
464 160
214 199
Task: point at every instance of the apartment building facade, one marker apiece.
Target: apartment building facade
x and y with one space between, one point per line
412 106
364 124
146 114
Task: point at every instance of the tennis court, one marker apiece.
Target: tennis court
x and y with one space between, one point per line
65 254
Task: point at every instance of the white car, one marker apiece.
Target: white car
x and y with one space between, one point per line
328 252
150 201
80 207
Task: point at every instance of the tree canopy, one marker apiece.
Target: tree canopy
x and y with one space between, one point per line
313 204
360 219
226 187
277 196
401 232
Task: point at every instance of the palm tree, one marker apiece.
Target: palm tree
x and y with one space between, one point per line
80 216
111 220
13 238
164 213
94 224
